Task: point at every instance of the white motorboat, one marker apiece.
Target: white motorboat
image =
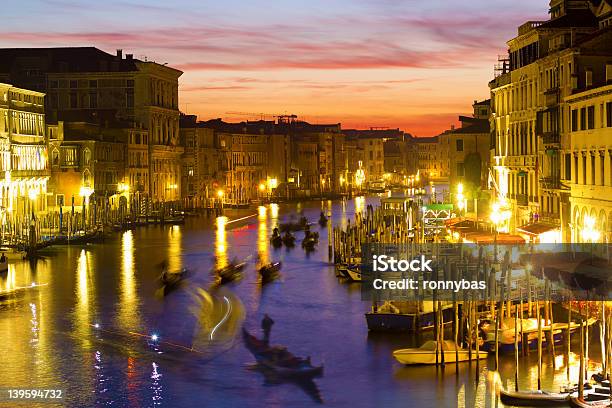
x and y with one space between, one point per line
426 354
354 273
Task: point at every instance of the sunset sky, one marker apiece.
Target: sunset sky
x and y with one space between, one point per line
411 64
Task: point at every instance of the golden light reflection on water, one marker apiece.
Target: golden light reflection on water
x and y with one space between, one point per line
175 242
274 211
10 278
263 246
85 296
128 313
221 242
359 204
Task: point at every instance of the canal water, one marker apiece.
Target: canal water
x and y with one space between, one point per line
93 321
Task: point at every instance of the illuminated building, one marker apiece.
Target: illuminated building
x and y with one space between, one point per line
87 164
464 152
370 143
201 170
589 154
547 62
85 84
428 157
23 146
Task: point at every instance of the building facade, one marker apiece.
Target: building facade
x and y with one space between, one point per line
548 61
24 169
589 167
85 84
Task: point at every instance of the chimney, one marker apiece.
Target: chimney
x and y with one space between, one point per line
129 57
119 53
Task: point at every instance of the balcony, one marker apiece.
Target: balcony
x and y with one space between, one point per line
528 26
522 200
552 183
551 97
551 138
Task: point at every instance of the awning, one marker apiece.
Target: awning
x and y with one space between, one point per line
485 238
537 228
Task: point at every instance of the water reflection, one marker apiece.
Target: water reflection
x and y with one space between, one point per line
175 248
221 242
263 245
129 311
274 212
310 307
156 386
9 284
85 296
359 204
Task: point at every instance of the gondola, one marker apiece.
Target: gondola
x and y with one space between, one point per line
323 220
288 239
589 402
309 243
270 272
170 278
277 241
533 398
281 361
230 273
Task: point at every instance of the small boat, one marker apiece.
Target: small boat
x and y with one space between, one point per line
533 398
341 270
175 220
171 278
270 272
353 273
277 241
322 220
288 239
426 354
278 359
309 243
230 273
530 330
405 316
588 401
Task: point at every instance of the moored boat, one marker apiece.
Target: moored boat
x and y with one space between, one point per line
353 273
426 354
533 398
589 402
405 316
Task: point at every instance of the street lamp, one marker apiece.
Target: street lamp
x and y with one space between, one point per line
461 201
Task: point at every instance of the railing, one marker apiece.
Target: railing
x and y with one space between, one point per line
551 183
551 137
551 97
528 26
522 199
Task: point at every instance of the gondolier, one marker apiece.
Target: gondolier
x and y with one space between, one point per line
266 326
